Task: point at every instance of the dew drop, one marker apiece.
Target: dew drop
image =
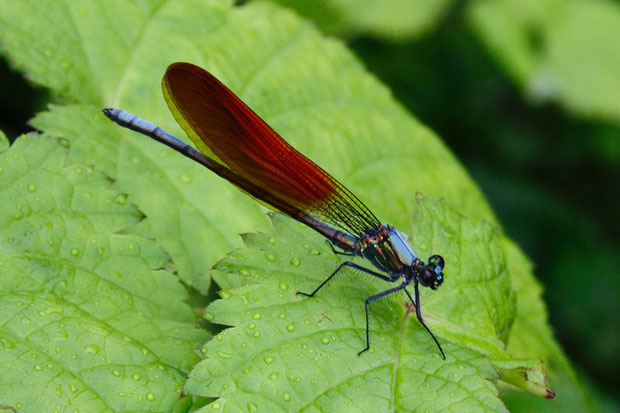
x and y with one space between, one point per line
37 367
283 286
91 349
286 397
54 309
244 273
136 376
269 360
149 396
209 316
31 187
203 350
282 316
272 240
73 388
120 199
225 294
325 340
116 373
224 355
252 407
185 178
270 257
216 405
251 326
273 376
295 262
256 316
290 328
304 346
256 334
314 251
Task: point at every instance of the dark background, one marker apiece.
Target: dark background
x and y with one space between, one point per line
553 178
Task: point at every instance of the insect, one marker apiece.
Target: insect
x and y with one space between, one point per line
236 144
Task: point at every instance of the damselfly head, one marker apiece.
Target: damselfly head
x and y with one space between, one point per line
431 274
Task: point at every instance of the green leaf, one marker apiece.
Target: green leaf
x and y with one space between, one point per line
313 91
566 51
288 353
391 19
529 375
89 320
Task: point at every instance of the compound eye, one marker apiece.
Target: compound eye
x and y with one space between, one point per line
428 277
437 260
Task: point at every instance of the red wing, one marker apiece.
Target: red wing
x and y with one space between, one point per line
227 130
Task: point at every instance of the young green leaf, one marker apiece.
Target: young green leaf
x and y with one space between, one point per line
286 352
90 320
476 262
391 19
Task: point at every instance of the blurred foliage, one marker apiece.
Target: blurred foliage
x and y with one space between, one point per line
389 19
558 50
565 51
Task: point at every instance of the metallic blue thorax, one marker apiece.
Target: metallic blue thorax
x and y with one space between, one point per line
388 251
